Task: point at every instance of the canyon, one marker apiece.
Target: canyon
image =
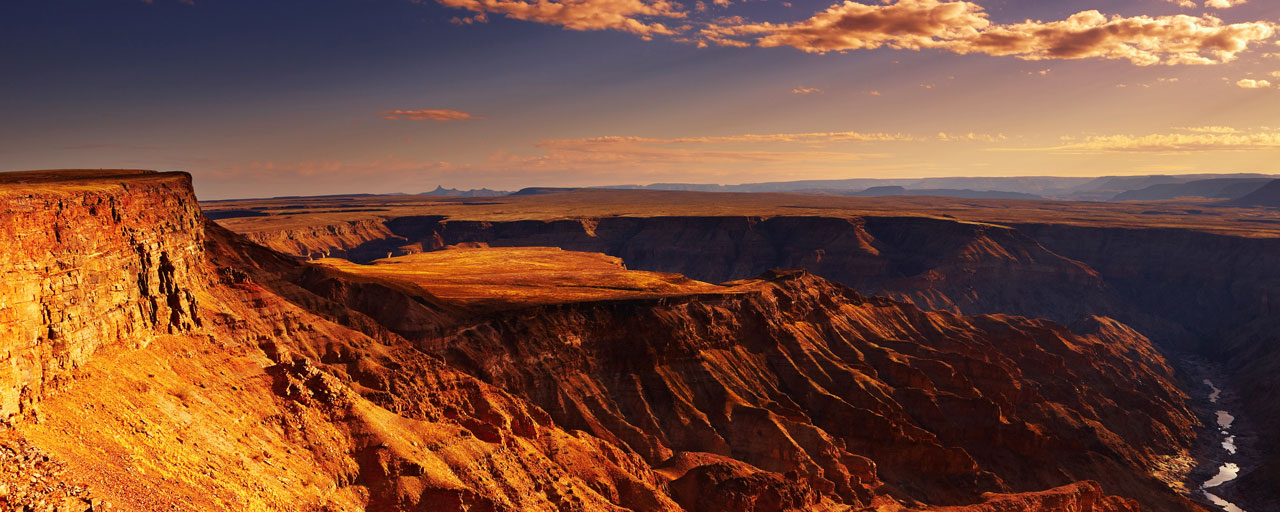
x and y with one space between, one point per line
627 350
1193 275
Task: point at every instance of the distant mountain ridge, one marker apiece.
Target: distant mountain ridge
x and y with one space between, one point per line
1102 188
475 192
1219 188
1267 195
892 191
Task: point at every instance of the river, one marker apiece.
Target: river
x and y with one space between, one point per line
1227 471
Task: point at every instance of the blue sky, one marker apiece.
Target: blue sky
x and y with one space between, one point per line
284 97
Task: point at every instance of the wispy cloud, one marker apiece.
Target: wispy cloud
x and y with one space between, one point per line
1209 4
806 90
645 156
809 138
428 115
1203 139
971 137
1208 129
98 147
1249 83
1224 4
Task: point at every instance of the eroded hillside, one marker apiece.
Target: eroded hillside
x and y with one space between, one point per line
1197 278
162 362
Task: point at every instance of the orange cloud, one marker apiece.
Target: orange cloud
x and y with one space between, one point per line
634 16
971 137
1214 139
1214 4
808 138
1208 129
964 27
1249 83
907 24
1142 40
706 154
428 115
806 90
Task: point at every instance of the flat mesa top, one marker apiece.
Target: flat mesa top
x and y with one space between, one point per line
55 175
288 213
70 182
524 276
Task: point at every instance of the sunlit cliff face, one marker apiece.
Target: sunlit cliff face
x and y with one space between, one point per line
340 96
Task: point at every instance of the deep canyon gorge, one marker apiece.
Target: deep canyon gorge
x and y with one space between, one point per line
548 353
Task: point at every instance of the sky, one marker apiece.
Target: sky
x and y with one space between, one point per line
301 97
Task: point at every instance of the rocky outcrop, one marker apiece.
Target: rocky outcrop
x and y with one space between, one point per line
92 264
831 392
31 480
1079 497
338 239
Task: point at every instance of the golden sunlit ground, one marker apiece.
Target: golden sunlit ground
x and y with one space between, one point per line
524 275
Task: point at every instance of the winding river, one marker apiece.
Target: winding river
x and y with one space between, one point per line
1228 471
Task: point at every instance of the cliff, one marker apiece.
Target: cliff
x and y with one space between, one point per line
1224 292
168 365
92 263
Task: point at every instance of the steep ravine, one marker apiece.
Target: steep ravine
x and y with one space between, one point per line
796 375
1227 444
1225 291
1193 293
167 364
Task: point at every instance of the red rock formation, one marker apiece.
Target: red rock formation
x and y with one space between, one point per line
795 375
1079 497
1186 289
263 381
169 364
91 264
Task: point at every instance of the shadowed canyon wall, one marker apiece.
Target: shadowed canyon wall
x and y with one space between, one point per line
938 264
1224 290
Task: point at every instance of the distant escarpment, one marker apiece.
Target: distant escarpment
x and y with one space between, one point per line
939 264
1268 196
